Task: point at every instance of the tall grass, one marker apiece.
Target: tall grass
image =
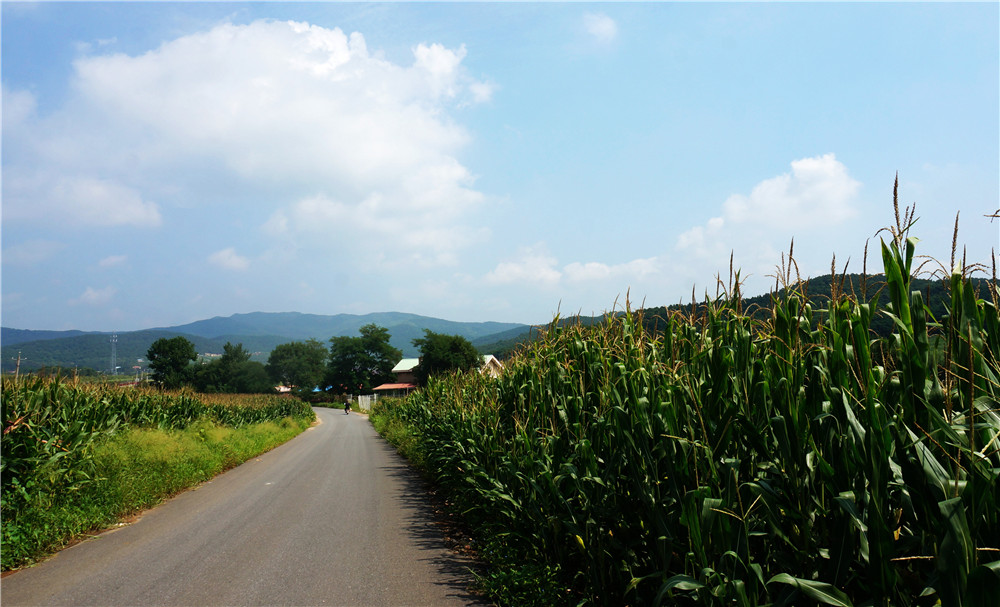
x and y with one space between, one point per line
63 469
793 460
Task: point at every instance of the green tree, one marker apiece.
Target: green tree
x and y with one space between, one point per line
169 361
358 364
208 377
298 363
233 372
233 355
444 353
250 377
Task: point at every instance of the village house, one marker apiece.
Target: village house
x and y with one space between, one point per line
406 378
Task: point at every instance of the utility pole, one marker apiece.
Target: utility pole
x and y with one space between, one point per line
114 353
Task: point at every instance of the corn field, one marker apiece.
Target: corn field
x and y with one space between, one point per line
733 460
50 428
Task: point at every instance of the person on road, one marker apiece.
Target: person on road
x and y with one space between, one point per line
347 407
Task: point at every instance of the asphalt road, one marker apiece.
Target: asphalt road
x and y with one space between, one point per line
333 517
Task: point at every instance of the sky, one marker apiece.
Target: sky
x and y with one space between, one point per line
164 163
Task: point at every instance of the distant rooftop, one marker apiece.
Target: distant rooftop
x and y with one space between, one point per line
407 364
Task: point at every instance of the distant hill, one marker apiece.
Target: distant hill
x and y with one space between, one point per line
505 343
259 332
403 328
18 336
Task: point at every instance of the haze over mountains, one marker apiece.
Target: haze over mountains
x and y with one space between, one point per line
259 332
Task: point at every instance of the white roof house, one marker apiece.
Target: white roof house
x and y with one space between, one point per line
406 380
407 364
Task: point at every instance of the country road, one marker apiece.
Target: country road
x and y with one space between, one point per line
333 517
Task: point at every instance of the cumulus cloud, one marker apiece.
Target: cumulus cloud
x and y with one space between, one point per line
816 194
533 265
71 201
95 297
228 259
818 191
602 28
269 106
636 269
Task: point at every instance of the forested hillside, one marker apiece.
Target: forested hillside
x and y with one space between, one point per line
93 350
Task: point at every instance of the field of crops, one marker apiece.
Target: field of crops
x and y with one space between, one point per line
62 442
733 460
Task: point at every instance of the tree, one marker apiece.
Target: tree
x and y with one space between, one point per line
250 377
361 363
443 353
299 363
169 361
233 372
233 355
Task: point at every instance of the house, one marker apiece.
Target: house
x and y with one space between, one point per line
406 379
405 370
491 365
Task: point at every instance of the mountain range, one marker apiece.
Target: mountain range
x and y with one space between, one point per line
259 332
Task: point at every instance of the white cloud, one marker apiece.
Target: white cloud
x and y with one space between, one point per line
31 252
228 259
18 107
240 110
112 261
74 201
637 269
482 91
818 192
534 265
441 64
601 27
816 195
95 297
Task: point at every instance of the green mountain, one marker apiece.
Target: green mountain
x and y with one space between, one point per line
259 332
403 328
18 336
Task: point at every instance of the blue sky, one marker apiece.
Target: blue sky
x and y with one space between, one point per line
169 162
